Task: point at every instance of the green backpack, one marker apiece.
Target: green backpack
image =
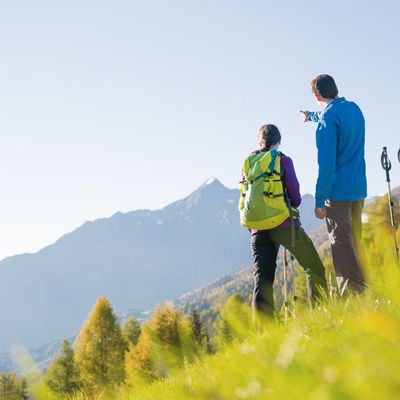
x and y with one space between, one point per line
263 203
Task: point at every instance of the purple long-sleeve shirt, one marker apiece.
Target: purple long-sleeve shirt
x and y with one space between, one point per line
291 184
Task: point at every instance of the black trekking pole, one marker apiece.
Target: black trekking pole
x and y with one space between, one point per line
387 166
398 155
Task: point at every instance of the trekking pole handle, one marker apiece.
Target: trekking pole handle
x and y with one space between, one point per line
386 164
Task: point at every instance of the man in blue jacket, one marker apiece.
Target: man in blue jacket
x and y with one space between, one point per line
342 184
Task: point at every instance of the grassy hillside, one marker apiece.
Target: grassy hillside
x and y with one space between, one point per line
343 349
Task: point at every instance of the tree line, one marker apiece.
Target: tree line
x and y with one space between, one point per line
106 355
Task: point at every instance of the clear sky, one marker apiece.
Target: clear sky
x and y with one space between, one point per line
120 105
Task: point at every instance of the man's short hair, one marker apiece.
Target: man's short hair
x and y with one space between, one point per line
325 86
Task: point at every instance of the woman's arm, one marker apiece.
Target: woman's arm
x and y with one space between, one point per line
290 181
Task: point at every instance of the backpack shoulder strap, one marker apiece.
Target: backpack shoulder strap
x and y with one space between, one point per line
275 164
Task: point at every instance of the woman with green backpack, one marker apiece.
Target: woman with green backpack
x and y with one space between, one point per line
270 195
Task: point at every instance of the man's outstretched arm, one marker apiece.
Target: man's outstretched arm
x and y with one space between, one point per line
326 144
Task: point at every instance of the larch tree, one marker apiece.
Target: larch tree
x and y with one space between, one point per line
138 359
160 346
131 331
165 325
100 348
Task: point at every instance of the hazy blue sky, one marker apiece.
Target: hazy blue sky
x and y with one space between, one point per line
119 105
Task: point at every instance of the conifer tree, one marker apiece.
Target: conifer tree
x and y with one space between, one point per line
159 346
198 331
100 348
12 388
7 388
234 322
226 331
138 359
131 331
62 377
165 325
23 390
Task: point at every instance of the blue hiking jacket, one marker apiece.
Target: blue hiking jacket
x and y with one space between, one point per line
340 141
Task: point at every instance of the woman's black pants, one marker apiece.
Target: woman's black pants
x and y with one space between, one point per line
265 246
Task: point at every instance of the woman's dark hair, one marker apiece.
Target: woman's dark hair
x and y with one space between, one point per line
325 86
268 136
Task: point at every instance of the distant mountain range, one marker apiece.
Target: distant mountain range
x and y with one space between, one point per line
136 259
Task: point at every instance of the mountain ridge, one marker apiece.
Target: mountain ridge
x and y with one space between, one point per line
118 214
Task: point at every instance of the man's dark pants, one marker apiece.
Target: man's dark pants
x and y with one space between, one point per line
344 223
265 247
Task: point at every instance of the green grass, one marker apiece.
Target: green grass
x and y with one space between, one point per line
342 349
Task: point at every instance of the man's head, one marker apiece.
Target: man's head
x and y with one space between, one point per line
269 136
324 89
